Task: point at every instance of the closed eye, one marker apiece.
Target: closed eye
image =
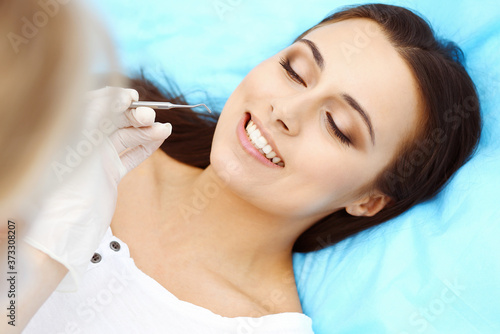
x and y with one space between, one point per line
285 62
333 126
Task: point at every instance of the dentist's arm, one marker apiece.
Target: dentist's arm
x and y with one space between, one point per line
36 282
74 218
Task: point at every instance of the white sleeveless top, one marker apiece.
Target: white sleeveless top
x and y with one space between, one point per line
117 297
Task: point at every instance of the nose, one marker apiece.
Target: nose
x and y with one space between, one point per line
289 114
280 120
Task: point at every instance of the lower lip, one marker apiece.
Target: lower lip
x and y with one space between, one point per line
247 144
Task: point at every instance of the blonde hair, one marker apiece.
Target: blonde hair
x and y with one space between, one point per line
45 57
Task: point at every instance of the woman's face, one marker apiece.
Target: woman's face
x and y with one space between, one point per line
335 107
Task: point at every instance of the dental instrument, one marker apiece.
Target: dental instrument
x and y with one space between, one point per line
165 105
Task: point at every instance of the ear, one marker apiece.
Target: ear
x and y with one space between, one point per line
369 206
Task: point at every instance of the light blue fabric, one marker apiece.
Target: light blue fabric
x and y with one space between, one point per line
436 268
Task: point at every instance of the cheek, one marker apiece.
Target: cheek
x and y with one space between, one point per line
262 82
255 87
327 176
326 182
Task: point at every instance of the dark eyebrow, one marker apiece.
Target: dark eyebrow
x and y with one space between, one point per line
318 58
355 105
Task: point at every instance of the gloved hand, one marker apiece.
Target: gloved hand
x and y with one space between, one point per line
75 217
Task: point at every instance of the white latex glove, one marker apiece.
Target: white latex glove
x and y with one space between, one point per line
75 217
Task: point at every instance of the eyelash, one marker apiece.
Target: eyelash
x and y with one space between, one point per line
285 63
343 138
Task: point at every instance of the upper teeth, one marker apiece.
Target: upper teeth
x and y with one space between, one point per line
261 144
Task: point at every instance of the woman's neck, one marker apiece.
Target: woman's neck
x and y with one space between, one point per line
204 218
232 235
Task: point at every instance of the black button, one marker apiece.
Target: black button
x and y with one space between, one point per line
96 258
114 245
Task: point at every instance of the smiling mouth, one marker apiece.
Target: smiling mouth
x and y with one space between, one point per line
261 143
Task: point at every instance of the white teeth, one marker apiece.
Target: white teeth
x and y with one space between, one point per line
254 135
251 127
271 155
261 143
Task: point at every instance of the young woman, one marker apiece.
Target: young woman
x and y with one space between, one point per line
324 139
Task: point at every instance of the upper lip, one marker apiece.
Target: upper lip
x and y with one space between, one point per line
267 135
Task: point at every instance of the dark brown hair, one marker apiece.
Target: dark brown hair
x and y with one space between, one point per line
444 141
192 132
